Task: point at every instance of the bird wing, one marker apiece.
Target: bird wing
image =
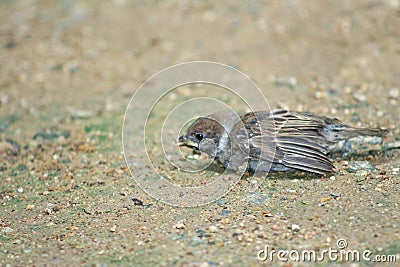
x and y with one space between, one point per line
290 138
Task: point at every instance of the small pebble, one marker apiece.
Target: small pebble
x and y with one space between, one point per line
267 214
292 81
213 229
238 236
295 227
333 178
55 157
137 202
276 227
324 199
50 209
225 212
179 225
202 233
113 229
395 169
256 198
320 94
360 97
20 190
394 93
363 165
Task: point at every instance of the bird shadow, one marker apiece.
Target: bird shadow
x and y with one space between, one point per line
274 175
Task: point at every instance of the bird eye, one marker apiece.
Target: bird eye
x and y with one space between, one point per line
199 136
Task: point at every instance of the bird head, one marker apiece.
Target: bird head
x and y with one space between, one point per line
207 134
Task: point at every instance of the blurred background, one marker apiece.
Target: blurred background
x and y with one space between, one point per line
102 51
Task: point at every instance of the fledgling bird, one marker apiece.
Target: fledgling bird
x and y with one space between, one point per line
278 140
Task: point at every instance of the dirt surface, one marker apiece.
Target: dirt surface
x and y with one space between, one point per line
68 70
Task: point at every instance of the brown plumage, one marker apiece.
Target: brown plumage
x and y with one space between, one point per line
279 140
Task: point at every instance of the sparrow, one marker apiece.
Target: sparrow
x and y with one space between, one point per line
278 140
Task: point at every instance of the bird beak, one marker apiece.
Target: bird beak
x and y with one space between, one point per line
184 141
181 141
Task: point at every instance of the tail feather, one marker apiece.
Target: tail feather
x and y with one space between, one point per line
337 132
370 132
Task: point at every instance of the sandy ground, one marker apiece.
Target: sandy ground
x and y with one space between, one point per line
68 70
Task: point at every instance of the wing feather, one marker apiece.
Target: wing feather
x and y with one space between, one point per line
294 137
